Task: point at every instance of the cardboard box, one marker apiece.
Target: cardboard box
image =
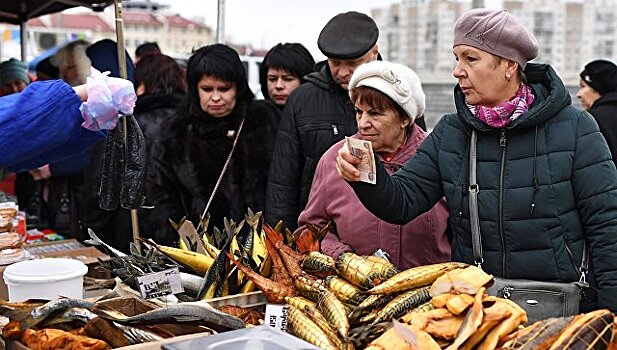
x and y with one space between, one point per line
72 249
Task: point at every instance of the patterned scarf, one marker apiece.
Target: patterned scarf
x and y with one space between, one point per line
504 113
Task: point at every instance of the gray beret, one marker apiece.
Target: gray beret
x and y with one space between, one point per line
496 32
348 36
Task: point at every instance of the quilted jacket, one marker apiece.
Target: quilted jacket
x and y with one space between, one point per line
547 182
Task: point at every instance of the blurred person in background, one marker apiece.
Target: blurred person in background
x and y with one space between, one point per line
189 156
73 63
48 193
13 76
147 48
161 88
598 95
388 97
45 70
282 71
318 114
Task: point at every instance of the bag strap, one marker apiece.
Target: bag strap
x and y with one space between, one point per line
474 218
225 166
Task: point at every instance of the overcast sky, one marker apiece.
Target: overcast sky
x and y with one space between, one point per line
264 23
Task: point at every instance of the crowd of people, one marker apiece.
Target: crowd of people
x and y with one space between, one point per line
546 177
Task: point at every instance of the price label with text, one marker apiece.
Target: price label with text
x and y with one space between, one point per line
160 283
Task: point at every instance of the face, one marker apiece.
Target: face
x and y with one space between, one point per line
342 70
14 86
384 128
483 78
587 94
69 73
216 97
280 84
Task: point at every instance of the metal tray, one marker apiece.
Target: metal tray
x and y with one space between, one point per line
255 338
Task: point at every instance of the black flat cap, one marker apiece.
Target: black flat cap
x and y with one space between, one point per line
601 75
348 36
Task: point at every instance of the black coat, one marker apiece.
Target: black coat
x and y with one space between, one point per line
317 115
187 161
604 111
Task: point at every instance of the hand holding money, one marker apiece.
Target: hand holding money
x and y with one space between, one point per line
356 161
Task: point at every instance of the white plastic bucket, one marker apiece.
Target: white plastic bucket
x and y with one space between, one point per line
45 279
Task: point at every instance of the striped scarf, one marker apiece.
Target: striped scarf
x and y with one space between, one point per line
504 113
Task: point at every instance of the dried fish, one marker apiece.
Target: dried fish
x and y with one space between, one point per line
113 168
134 172
42 312
195 312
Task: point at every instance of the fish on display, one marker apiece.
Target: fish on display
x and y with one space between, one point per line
191 312
95 240
42 312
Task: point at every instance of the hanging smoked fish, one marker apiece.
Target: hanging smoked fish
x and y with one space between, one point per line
134 176
113 168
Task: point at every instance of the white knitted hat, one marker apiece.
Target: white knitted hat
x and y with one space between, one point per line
397 81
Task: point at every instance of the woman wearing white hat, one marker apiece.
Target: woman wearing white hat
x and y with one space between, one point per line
388 98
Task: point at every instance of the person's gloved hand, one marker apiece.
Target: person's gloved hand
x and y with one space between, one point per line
107 97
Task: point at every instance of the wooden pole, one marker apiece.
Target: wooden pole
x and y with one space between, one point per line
123 75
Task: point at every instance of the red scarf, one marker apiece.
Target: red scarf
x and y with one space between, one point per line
505 112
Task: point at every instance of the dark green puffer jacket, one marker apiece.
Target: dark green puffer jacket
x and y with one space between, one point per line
546 181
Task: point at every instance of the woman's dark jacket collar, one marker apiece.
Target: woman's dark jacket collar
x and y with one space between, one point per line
545 84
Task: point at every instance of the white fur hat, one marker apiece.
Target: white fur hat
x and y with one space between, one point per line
397 81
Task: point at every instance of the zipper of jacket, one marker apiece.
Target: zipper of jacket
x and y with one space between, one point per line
502 144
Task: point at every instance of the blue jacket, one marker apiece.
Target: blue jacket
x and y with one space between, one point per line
547 182
42 125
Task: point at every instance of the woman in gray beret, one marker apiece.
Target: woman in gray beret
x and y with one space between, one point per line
546 183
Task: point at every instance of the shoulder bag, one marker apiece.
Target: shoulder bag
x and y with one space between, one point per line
541 300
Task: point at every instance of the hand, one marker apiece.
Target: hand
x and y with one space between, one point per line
41 173
347 165
81 91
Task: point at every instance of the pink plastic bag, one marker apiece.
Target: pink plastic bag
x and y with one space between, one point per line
107 97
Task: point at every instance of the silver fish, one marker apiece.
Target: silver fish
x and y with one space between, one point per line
42 312
197 312
95 240
137 335
70 314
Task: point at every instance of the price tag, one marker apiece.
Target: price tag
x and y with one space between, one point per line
276 316
160 283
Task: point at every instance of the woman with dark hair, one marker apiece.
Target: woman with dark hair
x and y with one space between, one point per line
282 71
160 86
190 155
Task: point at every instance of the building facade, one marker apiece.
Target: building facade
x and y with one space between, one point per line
571 33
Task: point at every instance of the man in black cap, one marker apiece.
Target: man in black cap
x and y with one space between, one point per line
598 95
318 114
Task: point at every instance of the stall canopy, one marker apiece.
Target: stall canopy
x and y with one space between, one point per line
19 11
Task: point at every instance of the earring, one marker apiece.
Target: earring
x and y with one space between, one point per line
508 77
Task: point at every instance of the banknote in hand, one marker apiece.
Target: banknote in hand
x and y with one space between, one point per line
363 150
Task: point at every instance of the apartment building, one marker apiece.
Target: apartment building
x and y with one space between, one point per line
571 33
